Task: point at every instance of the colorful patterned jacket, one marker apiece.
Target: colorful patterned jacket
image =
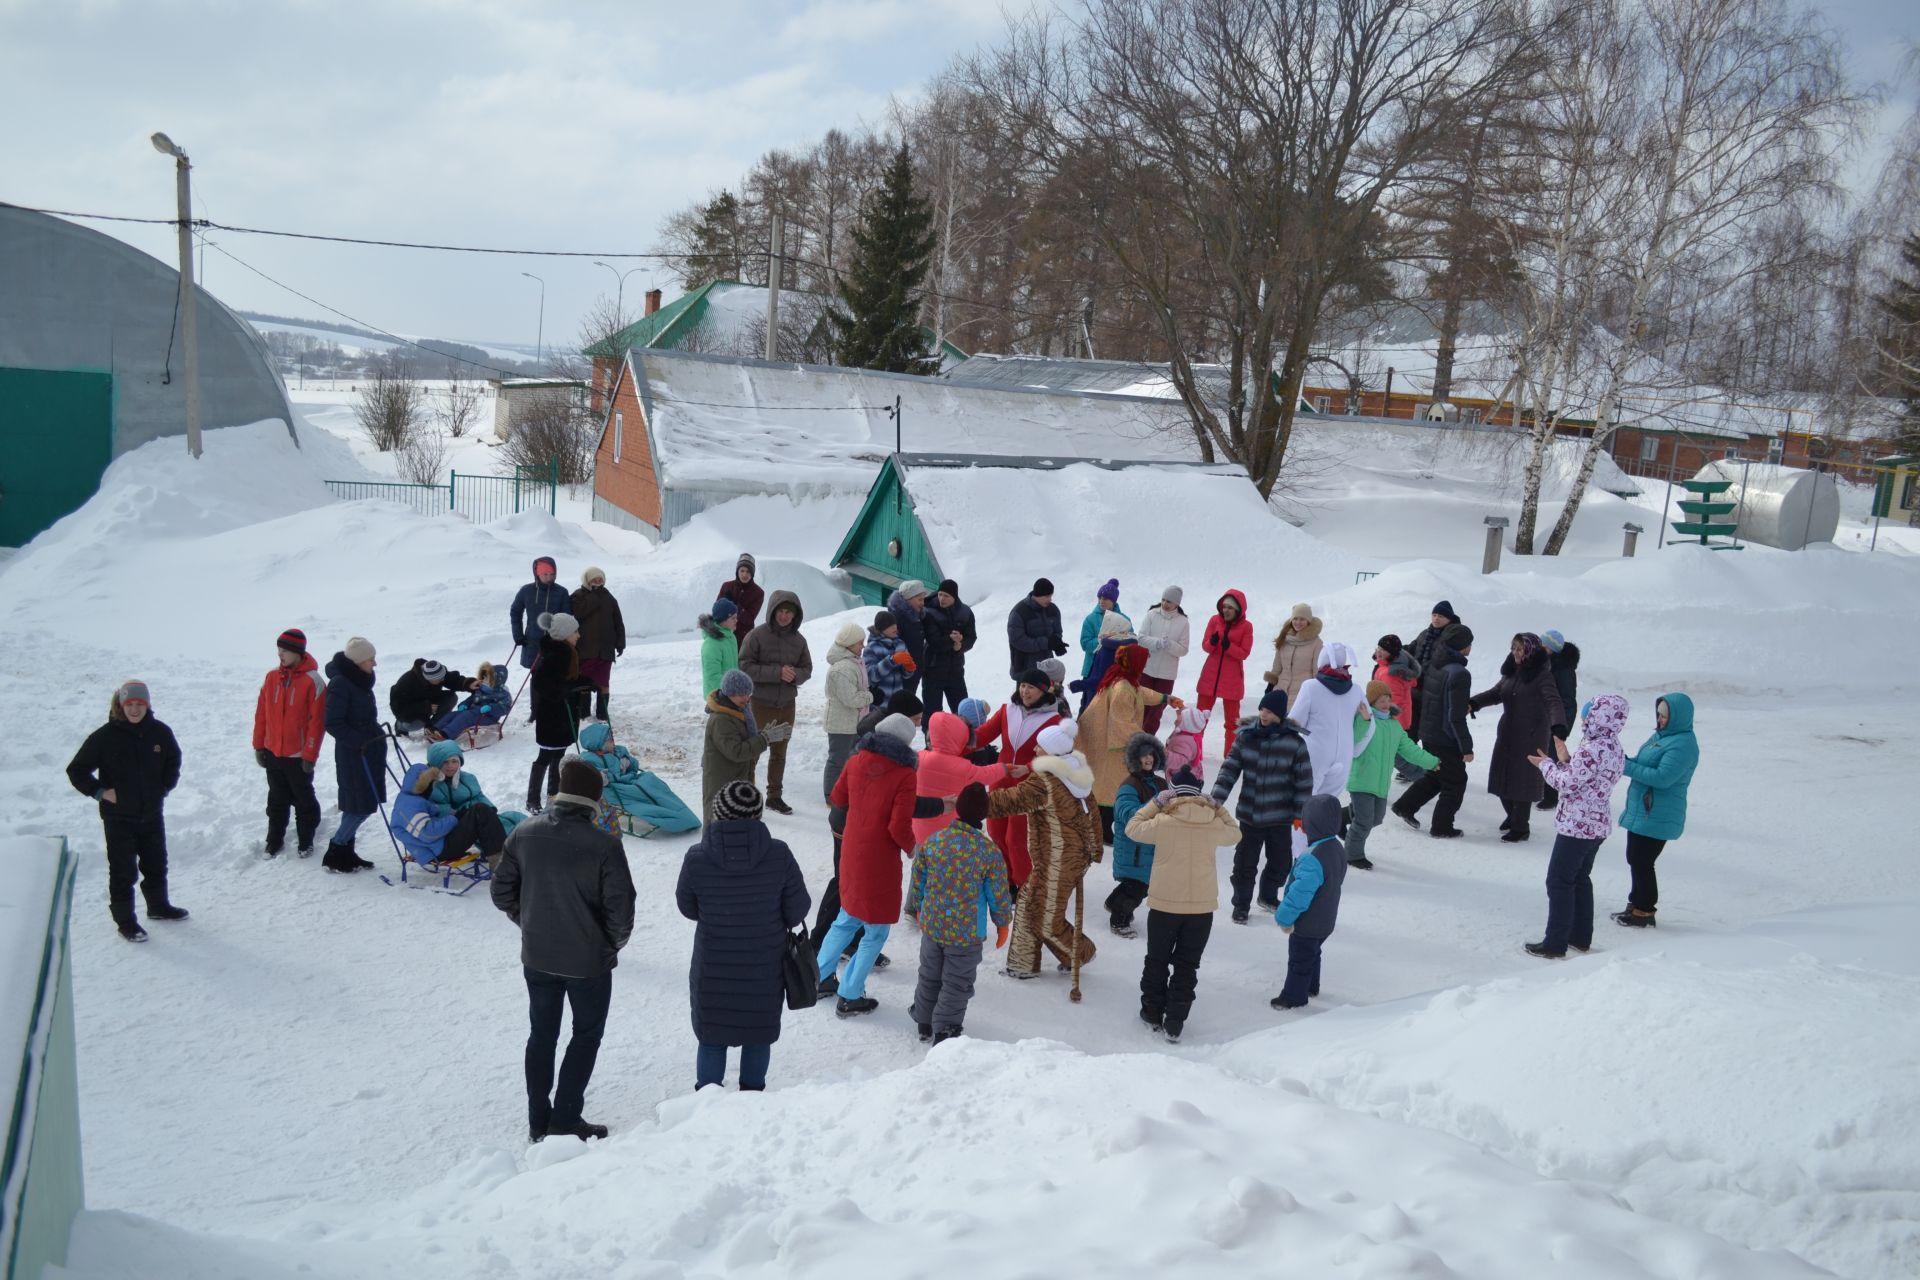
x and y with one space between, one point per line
959 879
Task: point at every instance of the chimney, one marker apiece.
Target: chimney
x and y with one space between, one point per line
653 301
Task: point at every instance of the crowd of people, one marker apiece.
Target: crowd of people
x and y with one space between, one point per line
977 822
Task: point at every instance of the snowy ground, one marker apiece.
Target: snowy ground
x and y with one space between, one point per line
320 1075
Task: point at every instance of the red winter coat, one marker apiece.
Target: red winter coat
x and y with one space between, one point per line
290 716
877 789
1402 686
1224 674
944 768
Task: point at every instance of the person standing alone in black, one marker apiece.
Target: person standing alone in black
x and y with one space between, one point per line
129 764
566 883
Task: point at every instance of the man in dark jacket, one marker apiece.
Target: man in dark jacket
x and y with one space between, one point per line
1423 647
1271 763
744 891
130 764
424 692
908 605
566 883
1445 688
746 594
1033 629
949 629
1566 679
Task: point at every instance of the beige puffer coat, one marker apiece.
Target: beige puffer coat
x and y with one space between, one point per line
1186 833
1296 656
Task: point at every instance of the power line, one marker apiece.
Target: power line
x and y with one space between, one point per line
505 373
209 225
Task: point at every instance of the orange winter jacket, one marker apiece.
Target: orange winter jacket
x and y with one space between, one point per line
290 717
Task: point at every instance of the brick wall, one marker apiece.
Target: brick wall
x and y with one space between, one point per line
632 484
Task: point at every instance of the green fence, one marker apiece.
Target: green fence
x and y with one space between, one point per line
480 498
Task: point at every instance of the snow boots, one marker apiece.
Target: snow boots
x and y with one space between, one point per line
1635 919
340 859
580 1129
945 1034
166 911
854 1008
1540 949
130 930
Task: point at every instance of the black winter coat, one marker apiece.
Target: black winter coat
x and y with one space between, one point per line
1445 690
744 891
913 632
939 624
359 747
556 678
139 762
414 697
1426 645
603 632
566 883
1033 634
1530 710
1566 682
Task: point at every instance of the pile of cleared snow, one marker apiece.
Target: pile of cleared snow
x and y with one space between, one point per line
1760 1087
985 1156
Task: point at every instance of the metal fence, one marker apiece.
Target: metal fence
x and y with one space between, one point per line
480 498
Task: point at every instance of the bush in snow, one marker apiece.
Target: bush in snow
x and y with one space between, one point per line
390 403
552 430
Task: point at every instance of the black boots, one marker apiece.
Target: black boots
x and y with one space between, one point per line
166 911
130 928
854 1008
340 859
580 1129
1635 919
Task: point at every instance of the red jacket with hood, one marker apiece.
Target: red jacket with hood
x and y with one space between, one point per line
290 716
876 788
1224 673
944 768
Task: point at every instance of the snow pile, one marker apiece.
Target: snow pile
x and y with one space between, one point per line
1116 1166
1724 1083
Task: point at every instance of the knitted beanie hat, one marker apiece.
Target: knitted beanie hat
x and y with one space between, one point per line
434 672
593 575
1302 611
882 620
1391 645
904 704
1173 594
1056 670
1109 590
1553 640
1042 587
1185 781
359 649
736 684
951 587
973 711
722 610
971 806
738 801
913 589
134 690
561 626
1275 700
1377 689
1057 739
293 640
1035 677
850 636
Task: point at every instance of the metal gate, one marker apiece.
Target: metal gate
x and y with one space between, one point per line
480 498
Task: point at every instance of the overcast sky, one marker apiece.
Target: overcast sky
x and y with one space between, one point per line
559 125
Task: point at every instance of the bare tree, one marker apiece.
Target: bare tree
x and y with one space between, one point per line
1669 130
462 411
422 456
1230 157
391 402
555 431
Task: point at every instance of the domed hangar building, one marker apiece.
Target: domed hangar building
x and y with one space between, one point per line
91 365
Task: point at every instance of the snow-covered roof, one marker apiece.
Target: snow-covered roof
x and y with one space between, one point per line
1097 377
721 422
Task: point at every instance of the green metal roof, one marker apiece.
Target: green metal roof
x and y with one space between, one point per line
664 328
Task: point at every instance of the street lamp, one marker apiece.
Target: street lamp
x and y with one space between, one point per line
620 290
540 339
189 332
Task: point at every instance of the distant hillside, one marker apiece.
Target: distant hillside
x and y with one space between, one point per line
332 346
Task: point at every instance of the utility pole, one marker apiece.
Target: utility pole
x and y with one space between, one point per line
773 287
189 333
540 329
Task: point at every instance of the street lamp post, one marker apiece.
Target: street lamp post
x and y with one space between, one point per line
189 332
540 338
620 289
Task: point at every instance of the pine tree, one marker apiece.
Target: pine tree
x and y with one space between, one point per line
1900 350
717 243
877 324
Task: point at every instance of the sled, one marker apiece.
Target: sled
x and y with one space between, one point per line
481 736
471 867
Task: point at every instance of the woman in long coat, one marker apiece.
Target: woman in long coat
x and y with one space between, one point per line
744 891
1530 718
1296 652
603 635
1063 841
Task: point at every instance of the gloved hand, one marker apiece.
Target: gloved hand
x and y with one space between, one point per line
1000 937
263 757
904 660
1059 648
308 766
777 732
1176 702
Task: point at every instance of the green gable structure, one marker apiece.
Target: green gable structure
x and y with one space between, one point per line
715 311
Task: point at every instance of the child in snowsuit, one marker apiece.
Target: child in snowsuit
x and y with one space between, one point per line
1271 752
1145 758
889 666
648 803
1372 770
1312 904
719 644
459 790
130 764
487 705
1185 829
432 831
1186 745
959 883
1585 779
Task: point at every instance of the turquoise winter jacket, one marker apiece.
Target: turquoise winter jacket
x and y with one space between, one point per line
1132 860
1659 773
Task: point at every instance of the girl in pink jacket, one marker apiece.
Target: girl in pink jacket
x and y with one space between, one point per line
1585 779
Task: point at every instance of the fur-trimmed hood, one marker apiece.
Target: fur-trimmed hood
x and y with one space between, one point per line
1072 771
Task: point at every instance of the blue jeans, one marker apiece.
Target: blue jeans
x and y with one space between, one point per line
1570 893
710 1065
854 985
349 823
